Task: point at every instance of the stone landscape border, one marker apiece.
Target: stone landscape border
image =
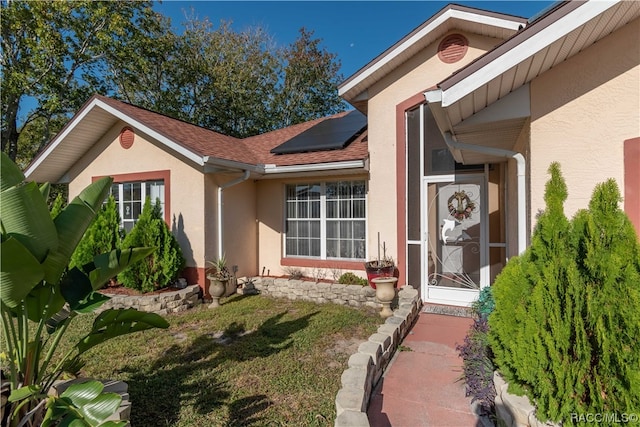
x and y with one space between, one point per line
162 303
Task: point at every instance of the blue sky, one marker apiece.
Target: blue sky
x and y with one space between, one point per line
357 31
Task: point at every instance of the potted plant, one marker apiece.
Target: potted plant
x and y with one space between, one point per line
381 266
219 277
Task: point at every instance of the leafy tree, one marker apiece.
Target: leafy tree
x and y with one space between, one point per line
102 236
311 78
163 266
559 331
55 55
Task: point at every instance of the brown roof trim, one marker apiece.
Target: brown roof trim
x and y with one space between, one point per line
442 11
560 10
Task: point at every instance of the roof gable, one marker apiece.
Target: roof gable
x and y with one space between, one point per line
477 21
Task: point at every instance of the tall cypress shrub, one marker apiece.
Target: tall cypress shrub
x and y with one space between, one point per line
568 310
163 266
102 236
608 254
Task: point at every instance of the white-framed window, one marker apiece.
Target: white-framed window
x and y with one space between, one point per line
130 198
326 220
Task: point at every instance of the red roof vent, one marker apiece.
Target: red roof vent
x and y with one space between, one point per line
452 48
126 137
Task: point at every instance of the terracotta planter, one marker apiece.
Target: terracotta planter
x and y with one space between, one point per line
385 293
217 288
374 271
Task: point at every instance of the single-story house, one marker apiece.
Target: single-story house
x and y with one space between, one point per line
443 159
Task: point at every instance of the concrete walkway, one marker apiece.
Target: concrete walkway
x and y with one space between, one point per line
421 387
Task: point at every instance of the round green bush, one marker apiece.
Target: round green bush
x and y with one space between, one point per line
349 278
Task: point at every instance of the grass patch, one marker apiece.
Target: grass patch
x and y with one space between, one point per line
254 361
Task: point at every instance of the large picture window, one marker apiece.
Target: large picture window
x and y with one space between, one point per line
326 220
130 198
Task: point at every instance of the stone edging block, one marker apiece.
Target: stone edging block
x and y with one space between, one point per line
374 355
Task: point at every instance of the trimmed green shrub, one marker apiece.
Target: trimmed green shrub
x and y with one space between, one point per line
349 278
608 257
162 267
103 235
568 310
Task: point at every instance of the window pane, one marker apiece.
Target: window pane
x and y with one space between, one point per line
315 247
292 246
359 209
332 209
126 191
292 229
359 189
332 249
128 210
359 249
332 229
358 230
315 209
303 229
345 249
345 209
315 229
303 209
303 247
291 210
137 208
137 191
345 230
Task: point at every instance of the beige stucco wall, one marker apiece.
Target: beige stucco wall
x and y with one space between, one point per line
107 158
421 72
581 112
239 227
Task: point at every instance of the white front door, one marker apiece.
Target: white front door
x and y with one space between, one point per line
456 247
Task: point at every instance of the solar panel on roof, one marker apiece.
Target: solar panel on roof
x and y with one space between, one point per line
330 134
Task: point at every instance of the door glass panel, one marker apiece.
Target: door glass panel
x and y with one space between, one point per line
454 244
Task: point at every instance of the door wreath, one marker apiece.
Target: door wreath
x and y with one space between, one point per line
464 206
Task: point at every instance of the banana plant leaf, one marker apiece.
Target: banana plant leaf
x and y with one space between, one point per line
21 272
113 323
10 173
82 404
26 217
43 301
71 224
45 189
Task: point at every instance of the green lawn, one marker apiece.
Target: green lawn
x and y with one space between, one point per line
253 361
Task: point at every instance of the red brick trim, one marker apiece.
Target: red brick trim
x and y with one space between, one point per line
401 180
632 181
164 175
322 263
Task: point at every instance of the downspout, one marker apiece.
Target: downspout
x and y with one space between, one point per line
521 170
221 188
